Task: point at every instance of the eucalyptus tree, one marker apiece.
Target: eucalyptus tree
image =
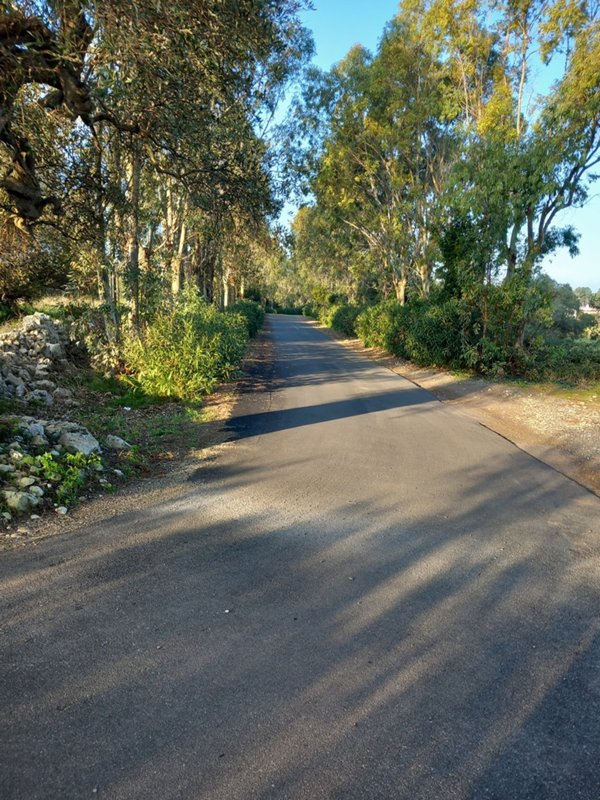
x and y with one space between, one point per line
386 149
526 154
166 100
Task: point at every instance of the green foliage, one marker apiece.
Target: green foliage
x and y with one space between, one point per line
252 312
569 361
253 293
187 350
93 330
29 266
8 429
341 317
593 329
68 473
440 152
424 332
276 308
125 389
452 333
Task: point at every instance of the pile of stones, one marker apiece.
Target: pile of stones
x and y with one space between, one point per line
21 478
30 358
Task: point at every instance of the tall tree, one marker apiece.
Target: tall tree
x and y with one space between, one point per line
166 100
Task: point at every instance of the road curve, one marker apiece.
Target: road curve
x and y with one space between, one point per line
365 595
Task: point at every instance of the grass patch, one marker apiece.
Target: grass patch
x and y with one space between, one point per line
125 391
158 432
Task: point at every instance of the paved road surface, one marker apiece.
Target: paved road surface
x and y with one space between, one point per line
365 596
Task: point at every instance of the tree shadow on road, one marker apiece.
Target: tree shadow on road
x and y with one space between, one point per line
370 653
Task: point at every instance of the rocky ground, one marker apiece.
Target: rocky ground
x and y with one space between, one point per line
65 444
42 453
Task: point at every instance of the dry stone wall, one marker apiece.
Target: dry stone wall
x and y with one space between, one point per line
30 358
33 363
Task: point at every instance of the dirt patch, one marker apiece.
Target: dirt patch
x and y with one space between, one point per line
560 428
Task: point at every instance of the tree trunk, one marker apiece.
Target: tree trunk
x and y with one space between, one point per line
106 277
177 262
400 289
133 255
226 289
425 279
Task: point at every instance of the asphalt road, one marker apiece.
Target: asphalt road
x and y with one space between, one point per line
364 596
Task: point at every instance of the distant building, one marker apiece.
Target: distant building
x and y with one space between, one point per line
589 310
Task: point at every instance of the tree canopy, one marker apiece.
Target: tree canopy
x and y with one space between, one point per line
450 152
137 131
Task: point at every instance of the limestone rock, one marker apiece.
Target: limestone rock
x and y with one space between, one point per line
20 501
79 442
54 350
116 443
49 386
14 380
35 428
39 396
62 394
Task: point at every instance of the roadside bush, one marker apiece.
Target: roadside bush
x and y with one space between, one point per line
570 361
290 310
593 330
425 333
186 351
253 313
341 317
450 333
375 326
436 334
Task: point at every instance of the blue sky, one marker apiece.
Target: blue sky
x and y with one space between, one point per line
339 24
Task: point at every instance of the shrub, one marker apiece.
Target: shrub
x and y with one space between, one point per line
570 361
68 473
187 350
253 313
450 333
341 317
290 310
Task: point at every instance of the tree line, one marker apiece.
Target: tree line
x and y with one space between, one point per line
136 160
436 169
133 151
